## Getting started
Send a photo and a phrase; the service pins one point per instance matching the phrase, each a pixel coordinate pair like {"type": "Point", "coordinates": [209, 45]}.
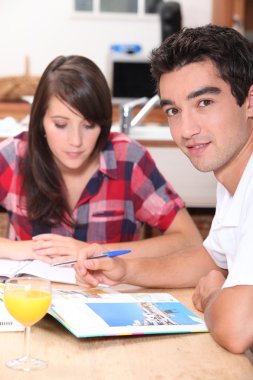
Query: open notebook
{"type": "Point", "coordinates": [12, 268]}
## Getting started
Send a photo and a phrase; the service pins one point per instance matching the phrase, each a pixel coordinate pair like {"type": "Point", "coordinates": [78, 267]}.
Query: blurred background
{"type": "Point", "coordinates": [41, 30]}
{"type": "Point", "coordinates": [119, 36]}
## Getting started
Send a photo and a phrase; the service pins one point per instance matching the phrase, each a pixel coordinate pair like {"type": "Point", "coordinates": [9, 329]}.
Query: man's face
{"type": "Point", "coordinates": [204, 118]}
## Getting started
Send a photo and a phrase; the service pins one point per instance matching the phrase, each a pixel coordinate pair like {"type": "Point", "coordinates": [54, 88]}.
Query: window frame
{"type": "Point", "coordinates": [97, 14]}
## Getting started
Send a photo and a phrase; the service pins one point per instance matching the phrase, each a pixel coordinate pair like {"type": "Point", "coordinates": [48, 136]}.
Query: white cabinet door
{"type": "Point", "coordinates": [196, 188]}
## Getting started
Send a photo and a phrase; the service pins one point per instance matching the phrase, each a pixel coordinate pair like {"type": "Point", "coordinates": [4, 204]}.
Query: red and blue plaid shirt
{"type": "Point", "coordinates": [126, 191]}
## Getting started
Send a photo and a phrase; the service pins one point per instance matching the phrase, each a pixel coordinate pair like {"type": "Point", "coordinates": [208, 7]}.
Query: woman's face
{"type": "Point", "coordinates": [71, 138]}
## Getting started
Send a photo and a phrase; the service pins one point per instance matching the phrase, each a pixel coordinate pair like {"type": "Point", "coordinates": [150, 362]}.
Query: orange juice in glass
{"type": "Point", "coordinates": [27, 299]}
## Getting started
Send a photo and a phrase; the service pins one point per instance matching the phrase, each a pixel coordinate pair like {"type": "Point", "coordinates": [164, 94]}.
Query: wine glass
{"type": "Point", "coordinates": [27, 299]}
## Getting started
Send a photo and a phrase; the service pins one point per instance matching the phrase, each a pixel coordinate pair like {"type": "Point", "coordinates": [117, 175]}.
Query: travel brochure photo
{"type": "Point", "coordinates": [90, 314]}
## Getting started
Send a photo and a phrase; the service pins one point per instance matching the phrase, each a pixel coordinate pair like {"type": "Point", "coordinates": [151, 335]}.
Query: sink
{"type": "Point", "coordinates": [147, 132]}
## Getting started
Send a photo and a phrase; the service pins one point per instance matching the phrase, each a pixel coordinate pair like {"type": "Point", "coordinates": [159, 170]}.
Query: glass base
{"type": "Point", "coordinates": [26, 363]}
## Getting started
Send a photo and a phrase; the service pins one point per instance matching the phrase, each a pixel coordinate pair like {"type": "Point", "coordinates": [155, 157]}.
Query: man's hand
{"type": "Point", "coordinates": [91, 272]}
{"type": "Point", "coordinates": [207, 288]}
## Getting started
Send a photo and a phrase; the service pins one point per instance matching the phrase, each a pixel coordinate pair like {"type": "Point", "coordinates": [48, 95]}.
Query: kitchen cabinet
{"type": "Point", "coordinates": [228, 12]}
{"type": "Point", "coordinates": [198, 189]}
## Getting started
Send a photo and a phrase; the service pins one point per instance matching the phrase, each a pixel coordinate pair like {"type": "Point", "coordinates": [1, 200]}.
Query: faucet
{"type": "Point", "coordinates": [126, 120]}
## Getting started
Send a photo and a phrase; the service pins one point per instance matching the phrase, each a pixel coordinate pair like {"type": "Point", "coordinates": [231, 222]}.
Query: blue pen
{"type": "Point", "coordinates": [106, 254]}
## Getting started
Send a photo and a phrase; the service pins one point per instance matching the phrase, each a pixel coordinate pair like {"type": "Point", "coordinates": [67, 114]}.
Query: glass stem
{"type": "Point", "coordinates": [27, 334]}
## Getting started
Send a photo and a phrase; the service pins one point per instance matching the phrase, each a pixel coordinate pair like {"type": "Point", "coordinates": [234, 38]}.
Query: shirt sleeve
{"type": "Point", "coordinates": [230, 240]}
{"type": "Point", "coordinates": [6, 160]}
{"type": "Point", "coordinates": [241, 267]}
{"type": "Point", "coordinates": [215, 249]}
{"type": "Point", "coordinates": [156, 202]}
{"type": "Point", "coordinates": [11, 152]}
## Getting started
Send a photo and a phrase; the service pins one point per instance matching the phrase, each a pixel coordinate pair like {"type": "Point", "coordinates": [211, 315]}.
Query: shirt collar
{"type": "Point", "coordinates": [229, 206]}
{"type": "Point", "coordinates": [108, 162]}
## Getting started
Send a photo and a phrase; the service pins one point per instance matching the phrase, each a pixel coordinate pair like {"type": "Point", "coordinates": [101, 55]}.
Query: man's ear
{"type": "Point", "coordinates": [250, 102]}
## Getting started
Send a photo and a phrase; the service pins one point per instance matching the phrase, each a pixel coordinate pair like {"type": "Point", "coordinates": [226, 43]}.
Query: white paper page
{"type": "Point", "coordinates": [55, 274]}
{"type": "Point", "coordinates": [7, 322]}
{"type": "Point", "coordinates": [9, 268]}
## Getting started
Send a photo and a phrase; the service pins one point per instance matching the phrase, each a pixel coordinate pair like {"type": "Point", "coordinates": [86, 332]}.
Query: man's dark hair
{"type": "Point", "coordinates": [231, 53]}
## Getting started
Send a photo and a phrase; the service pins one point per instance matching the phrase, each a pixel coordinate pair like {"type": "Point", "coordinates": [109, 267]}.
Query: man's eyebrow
{"type": "Point", "coordinates": [203, 91]}
{"type": "Point", "coordinates": [194, 94]}
{"type": "Point", "coordinates": [165, 102]}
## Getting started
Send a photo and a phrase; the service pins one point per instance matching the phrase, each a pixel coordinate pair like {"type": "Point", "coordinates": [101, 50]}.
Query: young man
{"type": "Point", "coordinates": [205, 82]}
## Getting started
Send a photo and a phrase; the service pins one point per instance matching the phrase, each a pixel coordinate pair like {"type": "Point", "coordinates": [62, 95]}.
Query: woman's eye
{"type": "Point", "coordinates": [205, 102]}
{"type": "Point", "coordinates": [89, 126]}
{"type": "Point", "coordinates": [60, 125]}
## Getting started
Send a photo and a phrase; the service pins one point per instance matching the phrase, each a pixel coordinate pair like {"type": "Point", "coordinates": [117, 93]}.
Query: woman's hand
{"type": "Point", "coordinates": [92, 272]}
{"type": "Point", "coordinates": [16, 249]}
{"type": "Point", "coordinates": [53, 248]}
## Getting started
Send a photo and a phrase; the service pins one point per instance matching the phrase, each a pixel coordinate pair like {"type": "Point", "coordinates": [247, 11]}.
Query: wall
{"type": "Point", "coordinates": [44, 29]}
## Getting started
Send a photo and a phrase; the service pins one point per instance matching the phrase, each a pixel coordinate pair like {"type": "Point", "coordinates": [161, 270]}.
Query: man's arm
{"type": "Point", "coordinates": [228, 312]}
{"type": "Point", "coordinates": [182, 233]}
{"type": "Point", "coordinates": [177, 270]}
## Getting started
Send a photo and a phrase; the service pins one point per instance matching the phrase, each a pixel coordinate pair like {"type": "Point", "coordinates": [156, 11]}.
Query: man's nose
{"type": "Point", "coordinates": [189, 125]}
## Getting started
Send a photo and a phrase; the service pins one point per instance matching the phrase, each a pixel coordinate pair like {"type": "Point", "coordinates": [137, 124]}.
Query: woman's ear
{"type": "Point", "coordinates": [250, 102]}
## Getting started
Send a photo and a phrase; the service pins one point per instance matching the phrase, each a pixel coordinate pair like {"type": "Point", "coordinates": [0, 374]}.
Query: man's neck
{"type": "Point", "coordinates": [229, 175]}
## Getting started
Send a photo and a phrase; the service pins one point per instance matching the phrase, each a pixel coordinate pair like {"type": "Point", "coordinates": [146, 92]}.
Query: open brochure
{"type": "Point", "coordinates": [12, 268]}
{"type": "Point", "coordinates": [93, 313]}
{"type": "Point", "coordinates": [8, 323]}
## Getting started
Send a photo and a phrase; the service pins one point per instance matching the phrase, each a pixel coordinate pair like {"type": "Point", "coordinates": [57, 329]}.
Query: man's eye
{"type": "Point", "coordinates": [205, 102]}
{"type": "Point", "coordinates": [171, 111]}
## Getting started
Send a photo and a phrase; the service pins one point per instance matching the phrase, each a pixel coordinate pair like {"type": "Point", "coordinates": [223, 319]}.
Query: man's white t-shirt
{"type": "Point", "coordinates": [230, 241]}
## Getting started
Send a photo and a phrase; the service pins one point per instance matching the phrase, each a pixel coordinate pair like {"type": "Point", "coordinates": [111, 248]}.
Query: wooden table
{"type": "Point", "coordinates": [163, 357]}
{"type": "Point", "coordinates": [18, 110]}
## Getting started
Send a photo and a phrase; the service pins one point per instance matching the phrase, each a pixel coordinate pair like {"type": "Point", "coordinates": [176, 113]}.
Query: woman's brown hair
{"type": "Point", "coordinates": [79, 82]}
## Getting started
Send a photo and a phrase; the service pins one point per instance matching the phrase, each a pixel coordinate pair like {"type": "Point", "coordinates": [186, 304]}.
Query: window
{"type": "Point", "coordinates": [115, 7]}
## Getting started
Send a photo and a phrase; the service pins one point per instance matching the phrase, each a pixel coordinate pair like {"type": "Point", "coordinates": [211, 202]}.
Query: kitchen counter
{"type": "Point", "coordinates": [196, 188]}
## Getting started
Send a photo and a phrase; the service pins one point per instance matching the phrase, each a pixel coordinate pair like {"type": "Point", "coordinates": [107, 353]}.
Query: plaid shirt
{"type": "Point", "coordinates": [125, 192]}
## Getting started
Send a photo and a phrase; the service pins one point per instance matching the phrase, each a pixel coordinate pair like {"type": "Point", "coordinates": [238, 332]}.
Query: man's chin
{"type": "Point", "coordinates": [202, 167]}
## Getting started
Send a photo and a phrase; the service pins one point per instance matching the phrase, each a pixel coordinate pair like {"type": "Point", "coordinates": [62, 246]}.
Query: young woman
{"type": "Point", "coordinates": [69, 182]}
